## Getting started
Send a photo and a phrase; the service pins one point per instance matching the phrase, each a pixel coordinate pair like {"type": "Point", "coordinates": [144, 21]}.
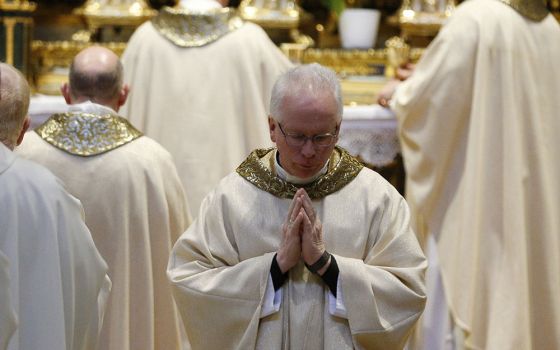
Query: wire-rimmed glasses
{"type": "Point", "coordinates": [298, 140]}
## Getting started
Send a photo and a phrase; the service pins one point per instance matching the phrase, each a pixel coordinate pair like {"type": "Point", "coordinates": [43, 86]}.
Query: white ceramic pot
{"type": "Point", "coordinates": [358, 27]}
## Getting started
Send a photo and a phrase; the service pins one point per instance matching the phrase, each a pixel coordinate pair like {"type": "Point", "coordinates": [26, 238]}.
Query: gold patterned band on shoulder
{"type": "Point", "coordinates": [193, 29]}
{"type": "Point", "coordinates": [343, 169]}
{"type": "Point", "coordinates": [85, 134]}
{"type": "Point", "coordinates": [535, 10]}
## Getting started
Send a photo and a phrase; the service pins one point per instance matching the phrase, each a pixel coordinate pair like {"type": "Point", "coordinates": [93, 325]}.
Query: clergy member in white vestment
{"type": "Point", "coordinates": [479, 121]}
{"type": "Point", "coordinates": [133, 199]}
{"type": "Point", "coordinates": [8, 322]}
{"type": "Point", "coordinates": [201, 81]}
{"type": "Point", "coordinates": [58, 280]}
{"type": "Point", "coordinates": [302, 247]}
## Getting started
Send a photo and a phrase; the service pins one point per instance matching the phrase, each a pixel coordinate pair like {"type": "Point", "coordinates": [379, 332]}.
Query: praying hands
{"type": "Point", "coordinates": [302, 236]}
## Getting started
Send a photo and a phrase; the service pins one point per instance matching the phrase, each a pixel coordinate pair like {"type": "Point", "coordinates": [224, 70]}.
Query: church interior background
{"type": "Point", "coordinates": [40, 39]}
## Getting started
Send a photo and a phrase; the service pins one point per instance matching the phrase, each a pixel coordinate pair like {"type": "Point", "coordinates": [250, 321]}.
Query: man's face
{"type": "Point", "coordinates": [305, 117]}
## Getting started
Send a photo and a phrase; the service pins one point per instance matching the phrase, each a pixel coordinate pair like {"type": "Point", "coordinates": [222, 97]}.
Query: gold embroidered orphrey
{"type": "Point", "coordinates": [343, 168]}
{"type": "Point", "coordinates": [193, 29]}
{"type": "Point", "coordinates": [85, 134]}
{"type": "Point", "coordinates": [535, 10]}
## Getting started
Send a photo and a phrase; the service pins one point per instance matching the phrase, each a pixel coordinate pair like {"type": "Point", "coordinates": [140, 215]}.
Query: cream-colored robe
{"type": "Point", "coordinates": [479, 122]}
{"type": "Point", "coordinates": [135, 208]}
{"type": "Point", "coordinates": [219, 269]}
{"type": "Point", "coordinates": [8, 322]}
{"type": "Point", "coordinates": [206, 105]}
{"type": "Point", "coordinates": [58, 279]}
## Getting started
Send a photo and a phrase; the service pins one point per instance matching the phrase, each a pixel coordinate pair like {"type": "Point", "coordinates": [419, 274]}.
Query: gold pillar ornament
{"type": "Point", "coordinates": [423, 17]}
{"type": "Point", "coordinates": [398, 54]}
{"type": "Point", "coordinates": [554, 7]}
{"type": "Point", "coordinates": [16, 33]}
{"type": "Point", "coordinates": [276, 16]}
{"type": "Point", "coordinates": [99, 14]}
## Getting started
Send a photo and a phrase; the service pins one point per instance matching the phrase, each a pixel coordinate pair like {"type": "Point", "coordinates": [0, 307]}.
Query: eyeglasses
{"type": "Point", "coordinates": [298, 140]}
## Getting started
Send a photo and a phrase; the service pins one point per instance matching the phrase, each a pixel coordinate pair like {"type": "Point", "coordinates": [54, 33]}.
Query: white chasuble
{"type": "Point", "coordinates": [136, 209]}
{"type": "Point", "coordinates": [205, 101]}
{"type": "Point", "coordinates": [479, 122]}
{"type": "Point", "coordinates": [220, 266]}
{"type": "Point", "coordinates": [58, 279]}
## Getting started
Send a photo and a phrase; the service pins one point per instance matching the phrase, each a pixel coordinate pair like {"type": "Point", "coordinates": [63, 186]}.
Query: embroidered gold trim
{"type": "Point", "coordinates": [85, 134]}
{"type": "Point", "coordinates": [193, 29]}
{"type": "Point", "coordinates": [343, 168]}
{"type": "Point", "coordinates": [534, 10]}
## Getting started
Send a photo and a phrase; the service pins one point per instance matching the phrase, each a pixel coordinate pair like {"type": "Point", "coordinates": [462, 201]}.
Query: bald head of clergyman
{"type": "Point", "coordinates": [96, 75]}
{"type": "Point", "coordinates": [14, 105]}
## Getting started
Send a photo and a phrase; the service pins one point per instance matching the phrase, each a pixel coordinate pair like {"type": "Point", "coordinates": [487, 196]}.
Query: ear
{"type": "Point", "coordinates": [65, 90]}
{"type": "Point", "coordinates": [272, 129]}
{"type": "Point", "coordinates": [123, 95]}
{"type": "Point", "coordinates": [24, 128]}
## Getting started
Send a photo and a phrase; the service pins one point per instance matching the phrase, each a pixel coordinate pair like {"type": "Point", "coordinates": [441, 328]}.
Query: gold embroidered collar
{"type": "Point", "coordinates": [534, 10]}
{"type": "Point", "coordinates": [259, 165]}
{"type": "Point", "coordinates": [186, 28]}
{"type": "Point", "coordinates": [85, 134]}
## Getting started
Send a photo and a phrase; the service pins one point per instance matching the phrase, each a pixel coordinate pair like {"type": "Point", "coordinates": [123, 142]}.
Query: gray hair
{"type": "Point", "coordinates": [97, 86]}
{"type": "Point", "coordinates": [313, 78]}
{"type": "Point", "coordinates": [14, 104]}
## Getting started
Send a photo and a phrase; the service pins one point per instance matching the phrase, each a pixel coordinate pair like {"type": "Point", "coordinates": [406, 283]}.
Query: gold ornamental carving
{"type": "Point", "coordinates": [17, 24]}
{"type": "Point", "coordinates": [423, 17]}
{"type": "Point", "coordinates": [110, 13]}
{"type": "Point", "coordinates": [273, 14]}
{"type": "Point", "coordinates": [16, 5]}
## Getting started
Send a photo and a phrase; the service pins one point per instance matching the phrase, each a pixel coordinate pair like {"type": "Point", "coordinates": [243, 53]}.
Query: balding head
{"type": "Point", "coordinates": [14, 104]}
{"type": "Point", "coordinates": [96, 75]}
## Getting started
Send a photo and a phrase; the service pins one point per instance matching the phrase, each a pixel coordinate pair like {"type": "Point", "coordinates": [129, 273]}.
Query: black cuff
{"type": "Point", "coordinates": [330, 277]}
{"type": "Point", "coordinates": [278, 278]}
{"type": "Point", "coordinates": [320, 263]}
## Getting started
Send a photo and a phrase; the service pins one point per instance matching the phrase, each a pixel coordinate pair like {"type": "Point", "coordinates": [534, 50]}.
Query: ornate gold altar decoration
{"type": "Point", "coordinates": [363, 72]}
{"type": "Point", "coordinates": [110, 13]}
{"type": "Point", "coordinates": [423, 17]}
{"type": "Point", "coordinates": [282, 14]}
{"type": "Point", "coordinates": [51, 59]}
{"type": "Point", "coordinates": [276, 15]}
{"type": "Point", "coordinates": [16, 33]}
{"type": "Point", "coordinates": [348, 62]}
{"type": "Point", "coordinates": [398, 54]}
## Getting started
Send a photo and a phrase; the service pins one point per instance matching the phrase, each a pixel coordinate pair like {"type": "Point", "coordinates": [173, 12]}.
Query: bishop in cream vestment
{"type": "Point", "coordinates": [220, 267]}
{"type": "Point", "coordinates": [58, 279]}
{"type": "Point", "coordinates": [479, 122]}
{"type": "Point", "coordinates": [135, 207]}
{"type": "Point", "coordinates": [201, 83]}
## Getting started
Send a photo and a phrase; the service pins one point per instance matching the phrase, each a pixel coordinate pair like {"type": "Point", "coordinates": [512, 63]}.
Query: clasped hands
{"type": "Point", "coordinates": [302, 235]}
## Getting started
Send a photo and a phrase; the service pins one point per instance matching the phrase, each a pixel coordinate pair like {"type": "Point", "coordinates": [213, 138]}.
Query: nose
{"type": "Point", "coordinates": [308, 149]}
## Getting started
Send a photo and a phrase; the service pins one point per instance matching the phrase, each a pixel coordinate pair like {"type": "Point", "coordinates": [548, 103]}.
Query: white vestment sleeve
{"type": "Point", "coordinates": [272, 299]}
{"type": "Point", "coordinates": [102, 299]}
{"type": "Point", "coordinates": [336, 304]}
